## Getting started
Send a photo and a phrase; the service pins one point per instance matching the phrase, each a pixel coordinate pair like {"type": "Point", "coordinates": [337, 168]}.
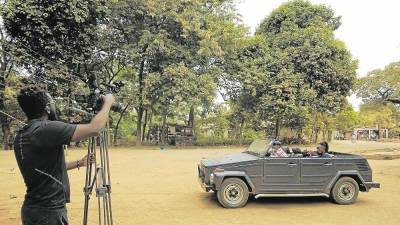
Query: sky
{"type": "Point", "coordinates": [370, 29]}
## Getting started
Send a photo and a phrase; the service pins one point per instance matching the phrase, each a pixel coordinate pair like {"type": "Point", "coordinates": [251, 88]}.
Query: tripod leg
{"type": "Point", "coordinates": [101, 180]}
{"type": "Point", "coordinates": [108, 176]}
{"type": "Point", "coordinates": [105, 176]}
{"type": "Point", "coordinates": [99, 205]}
{"type": "Point", "coordinates": [91, 146]}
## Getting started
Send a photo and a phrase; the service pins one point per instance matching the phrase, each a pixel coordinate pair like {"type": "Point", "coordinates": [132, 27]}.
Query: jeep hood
{"type": "Point", "coordinates": [229, 159]}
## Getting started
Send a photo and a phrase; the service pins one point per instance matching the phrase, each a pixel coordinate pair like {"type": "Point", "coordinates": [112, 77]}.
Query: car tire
{"type": "Point", "coordinates": [234, 193]}
{"type": "Point", "coordinates": [345, 191]}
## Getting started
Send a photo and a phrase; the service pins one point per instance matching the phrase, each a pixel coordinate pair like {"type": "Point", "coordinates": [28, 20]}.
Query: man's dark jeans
{"type": "Point", "coordinates": [43, 216]}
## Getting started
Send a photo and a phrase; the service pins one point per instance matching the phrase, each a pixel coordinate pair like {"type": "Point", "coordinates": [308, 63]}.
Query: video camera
{"type": "Point", "coordinates": [94, 101]}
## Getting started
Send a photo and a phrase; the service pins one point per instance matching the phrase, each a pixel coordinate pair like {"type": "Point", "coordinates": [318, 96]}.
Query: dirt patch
{"type": "Point", "coordinates": [382, 157]}
{"type": "Point", "coordinates": [161, 187]}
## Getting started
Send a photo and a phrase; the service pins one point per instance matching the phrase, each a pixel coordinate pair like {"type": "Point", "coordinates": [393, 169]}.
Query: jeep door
{"type": "Point", "coordinates": [280, 175]}
{"type": "Point", "coordinates": [316, 173]}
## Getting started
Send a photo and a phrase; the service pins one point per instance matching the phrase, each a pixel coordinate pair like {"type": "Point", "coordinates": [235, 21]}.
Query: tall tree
{"type": "Point", "coordinates": [54, 39]}
{"type": "Point", "coordinates": [310, 67]}
{"type": "Point", "coordinates": [380, 85]}
{"type": "Point", "coordinates": [6, 67]}
{"type": "Point", "coordinates": [160, 35]}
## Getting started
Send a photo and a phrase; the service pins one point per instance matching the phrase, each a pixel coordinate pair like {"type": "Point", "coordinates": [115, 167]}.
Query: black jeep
{"type": "Point", "coordinates": [253, 172]}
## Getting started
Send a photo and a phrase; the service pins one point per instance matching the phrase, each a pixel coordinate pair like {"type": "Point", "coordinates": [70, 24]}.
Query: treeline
{"type": "Point", "coordinates": [175, 58]}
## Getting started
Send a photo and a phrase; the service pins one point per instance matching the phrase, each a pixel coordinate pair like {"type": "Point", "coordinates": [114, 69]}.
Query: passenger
{"type": "Point", "coordinates": [276, 150]}
{"type": "Point", "coordinates": [322, 150]}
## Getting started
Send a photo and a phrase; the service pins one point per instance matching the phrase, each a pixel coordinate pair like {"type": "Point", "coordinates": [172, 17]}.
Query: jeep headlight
{"type": "Point", "coordinates": [212, 178]}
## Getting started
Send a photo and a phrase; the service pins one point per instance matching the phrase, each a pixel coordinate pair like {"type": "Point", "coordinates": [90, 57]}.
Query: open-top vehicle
{"type": "Point", "coordinates": [253, 172]}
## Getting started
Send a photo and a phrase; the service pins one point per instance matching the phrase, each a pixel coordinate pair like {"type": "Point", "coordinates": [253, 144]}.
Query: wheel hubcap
{"type": "Point", "coordinates": [233, 193]}
{"type": "Point", "coordinates": [346, 191]}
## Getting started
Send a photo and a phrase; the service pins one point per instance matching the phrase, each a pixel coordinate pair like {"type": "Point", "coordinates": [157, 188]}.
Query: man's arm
{"type": "Point", "coordinates": [80, 163]}
{"type": "Point", "coordinates": [74, 164]}
{"type": "Point", "coordinates": [83, 131]}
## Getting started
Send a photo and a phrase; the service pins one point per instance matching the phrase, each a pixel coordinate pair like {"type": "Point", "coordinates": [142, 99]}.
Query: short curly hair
{"type": "Point", "coordinates": [32, 100]}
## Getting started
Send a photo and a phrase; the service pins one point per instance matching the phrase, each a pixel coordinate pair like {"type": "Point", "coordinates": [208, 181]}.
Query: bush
{"type": "Point", "coordinates": [293, 141]}
{"type": "Point", "coordinates": [394, 133]}
{"type": "Point", "coordinates": [211, 141]}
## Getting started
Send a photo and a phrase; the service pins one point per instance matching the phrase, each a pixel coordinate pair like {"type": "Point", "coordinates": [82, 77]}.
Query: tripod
{"type": "Point", "coordinates": [98, 177]}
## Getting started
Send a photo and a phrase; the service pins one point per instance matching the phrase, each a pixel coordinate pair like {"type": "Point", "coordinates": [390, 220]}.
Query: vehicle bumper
{"type": "Point", "coordinates": [372, 185]}
{"type": "Point", "coordinates": [206, 187]}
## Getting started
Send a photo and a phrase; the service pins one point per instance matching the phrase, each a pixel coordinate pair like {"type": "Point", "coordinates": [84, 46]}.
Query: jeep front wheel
{"type": "Point", "coordinates": [345, 191]}
{"type": "Point", "coordinates": [233, 193]}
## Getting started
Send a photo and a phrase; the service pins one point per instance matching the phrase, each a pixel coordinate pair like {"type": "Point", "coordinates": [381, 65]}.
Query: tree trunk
{"type": "Point", "coordinates": [140, 108]}
{"type": "Point", "coordinates": [325, 132]}
{"type": "Point", "coordinates": [241, 131]}
{"type": "Point", "coordinates": [164, 129]}
{"type": "Point", "coordinates": [4, 120]}
{"type": "Point", "coordinates": [316, 133]}
{"type": "Point", "coordinates": [146, 118]}
{"type": "Point", "coordinates": [139, 126]}
{"type": "Point", "coordinates": [5, 128]}
{"type": "Point", "coordinates": [119, 120]}
{"type": "Point", "coordinates": [191, 122]}
{"type": "Point", "coordinates": [150, 124]}
{"type": "Point", "coordinates": [277, 128]}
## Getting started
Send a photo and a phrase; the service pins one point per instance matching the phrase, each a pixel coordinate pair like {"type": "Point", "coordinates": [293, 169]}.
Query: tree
{"type": "Point", "coordinates": [346, 120]}
{"type": "Point", "coordinates": [310, 67]}
{"type": "Point", "coordinates": [7, 62]}
{"type": "Point", "coordinates": [55, 39]}
{"type": "Point", "coordinates": [160, 35]}
{"type": "Point", "coordinates": [380, 85]}
{"type": "Point", "coordinates": [378, 115]}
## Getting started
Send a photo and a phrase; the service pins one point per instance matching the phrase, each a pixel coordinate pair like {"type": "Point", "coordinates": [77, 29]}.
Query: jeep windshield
{"type": "Point", "coordinates": [259, 147]}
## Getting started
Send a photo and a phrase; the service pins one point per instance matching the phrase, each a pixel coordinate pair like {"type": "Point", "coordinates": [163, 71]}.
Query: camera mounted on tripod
{"type": "Point", "coordinates": [94, 101]}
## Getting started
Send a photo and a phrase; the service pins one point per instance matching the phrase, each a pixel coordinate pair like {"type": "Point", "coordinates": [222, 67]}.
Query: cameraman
{"type": "Point", "coordinates": [40, 157]}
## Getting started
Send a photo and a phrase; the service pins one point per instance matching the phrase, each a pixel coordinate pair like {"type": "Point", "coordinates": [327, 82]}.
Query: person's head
{"type": "Point", "coordinates": [33, 100]}
{"type": "Point", "coordinates": [323, 147]}
{"type": "Point", "coordinates": [276, 145]}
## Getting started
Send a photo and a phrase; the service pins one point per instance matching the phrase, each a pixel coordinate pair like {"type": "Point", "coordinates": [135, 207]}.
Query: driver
{"type": "Point", "coordinates": [276, 150]}
{"type": "Point", "coordinates": [322, 151]}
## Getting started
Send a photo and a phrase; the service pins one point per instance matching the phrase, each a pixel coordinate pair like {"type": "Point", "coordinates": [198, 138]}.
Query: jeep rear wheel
{"type": "Point", "coordinates": [345, 191]}
{"type": "Point", "coordinates": [233, 193]}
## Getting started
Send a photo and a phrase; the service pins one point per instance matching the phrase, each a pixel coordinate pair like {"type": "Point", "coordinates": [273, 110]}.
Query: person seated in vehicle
{"type": "Point", "coordinates": [277, 150]}
{"type": "Point", "coordinates": [322, 151]}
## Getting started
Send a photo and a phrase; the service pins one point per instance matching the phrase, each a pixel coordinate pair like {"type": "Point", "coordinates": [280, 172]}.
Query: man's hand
{"type": "Point", "coordinates": [84, 160]}
{"type": "Point", "coordinates": [108, 99]}
{"type": "Point", "coordinates": [95, 126]}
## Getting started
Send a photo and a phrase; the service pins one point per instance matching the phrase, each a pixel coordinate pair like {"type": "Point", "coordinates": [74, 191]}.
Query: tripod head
{"type": "Point", "coordinates": [93, 102]}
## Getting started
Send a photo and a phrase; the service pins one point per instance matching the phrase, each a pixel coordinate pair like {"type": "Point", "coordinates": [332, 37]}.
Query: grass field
{"type": "Point", "coordinates": [161, 187]}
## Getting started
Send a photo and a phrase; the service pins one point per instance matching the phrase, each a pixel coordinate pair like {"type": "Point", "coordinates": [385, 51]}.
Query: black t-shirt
{"type": "Point", "coordinates": [40, 157]}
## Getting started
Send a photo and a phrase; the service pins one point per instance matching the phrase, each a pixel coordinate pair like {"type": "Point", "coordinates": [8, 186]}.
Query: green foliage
{"type": "Point", "coordinates": [380, 85]}
{"type": "Point", "coordinates": [377, 115]}
{"type": "Point", "coordinates": [311, 67]}
{"type": "Point", "coordinates": [346, 120]}
{"type": "Point", "coordinates": [294, 66]}
{"type": "Point", "coordinates": [174, 56]}
{"type": "Point", "coordinates": [211, 141]}
{"type": "Point", "coordinates": [58, 31]}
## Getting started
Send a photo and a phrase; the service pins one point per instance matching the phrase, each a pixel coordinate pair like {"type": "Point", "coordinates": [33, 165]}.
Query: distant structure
{"type": "Point", "coordinates": [371, 133]}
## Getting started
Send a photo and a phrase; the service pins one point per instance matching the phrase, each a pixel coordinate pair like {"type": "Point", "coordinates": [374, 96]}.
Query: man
{"type": "Point", "coordinates": [40, 157]}
{"type": "Point", "coordinates": [276, 150]}
{"type": "Point", "coordinates": [322, 151]}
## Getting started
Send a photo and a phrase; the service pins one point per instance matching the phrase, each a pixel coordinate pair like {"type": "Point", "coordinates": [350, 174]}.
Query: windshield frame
{"type": "Point", "coordinates": [251, 149]}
